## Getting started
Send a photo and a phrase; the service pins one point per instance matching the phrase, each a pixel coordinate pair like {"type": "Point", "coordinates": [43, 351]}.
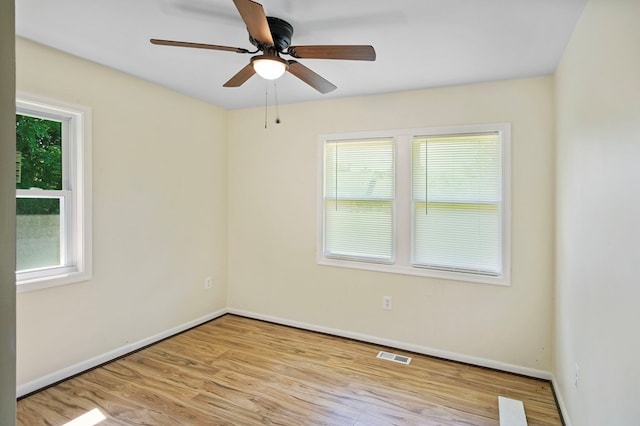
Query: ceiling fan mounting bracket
{"type": "Point", "coordinates": [281, 32]}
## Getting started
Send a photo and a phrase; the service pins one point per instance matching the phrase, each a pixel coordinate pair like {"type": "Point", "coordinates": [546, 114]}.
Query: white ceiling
{"type": "Point", "coordinates": [419, 43]}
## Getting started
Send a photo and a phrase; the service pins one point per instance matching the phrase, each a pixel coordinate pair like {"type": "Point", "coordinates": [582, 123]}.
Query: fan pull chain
{"type": "Point", "coordinates": [266, 102]}
{"type": "Point", "coordinates": [275, 92]}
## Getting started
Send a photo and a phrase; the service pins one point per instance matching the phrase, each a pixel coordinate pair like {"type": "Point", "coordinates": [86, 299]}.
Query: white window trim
{"type": "Point", "coordinates": [79, 207]}
{"type": "Point", "coordinates": [403, 211]}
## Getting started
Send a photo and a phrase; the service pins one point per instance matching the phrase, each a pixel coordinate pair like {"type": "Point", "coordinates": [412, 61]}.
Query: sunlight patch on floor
{"type": "Point", "coordinates": [90, 418]}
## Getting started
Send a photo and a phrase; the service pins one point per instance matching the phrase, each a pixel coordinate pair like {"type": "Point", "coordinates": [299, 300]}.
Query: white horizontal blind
{"type": "Point", "coordinates": [457, 202]}
{"type": "Point", "coordinates": [359, 192]}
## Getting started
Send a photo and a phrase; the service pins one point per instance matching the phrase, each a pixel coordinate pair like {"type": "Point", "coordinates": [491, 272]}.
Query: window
{"type": "Point", "coordinates": [53, 240]}
{"type": "Point", "coordinates": [428, 202]}
{"type": "Point", "coordinates": [358, 197]}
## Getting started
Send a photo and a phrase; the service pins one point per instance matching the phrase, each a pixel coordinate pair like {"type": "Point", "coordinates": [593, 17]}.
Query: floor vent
{"type": "Point", "coordinates": [394, 357]}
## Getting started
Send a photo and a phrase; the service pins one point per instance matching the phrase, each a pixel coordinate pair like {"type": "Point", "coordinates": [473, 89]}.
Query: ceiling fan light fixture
{"type": "Point", "coordinates": [269, 67]}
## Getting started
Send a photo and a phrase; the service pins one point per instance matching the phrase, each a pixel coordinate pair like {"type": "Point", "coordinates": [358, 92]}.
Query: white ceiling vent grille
{"type": "Point", "coordinates": [401, 359]}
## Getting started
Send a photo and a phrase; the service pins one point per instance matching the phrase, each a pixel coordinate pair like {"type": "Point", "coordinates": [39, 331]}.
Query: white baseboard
{"type": "Point", "coordinates": [467, 359]}
{"type": "Point", "coordinates": [72, 370]}
{"type": "Point", "coordinates": [560, 400]}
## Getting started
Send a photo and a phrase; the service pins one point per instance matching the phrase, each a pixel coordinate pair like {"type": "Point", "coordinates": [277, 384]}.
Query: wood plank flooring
{"type": "Point", "coordinates": [238, 371]}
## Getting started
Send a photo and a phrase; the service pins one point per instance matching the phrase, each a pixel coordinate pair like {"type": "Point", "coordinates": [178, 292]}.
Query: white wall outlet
{"type": "Point", "coordinates": [387, 303]}
{"type": "Point", "coordinates": [577, 373]}
{"type": "Point", "coordinates": [208, 283]}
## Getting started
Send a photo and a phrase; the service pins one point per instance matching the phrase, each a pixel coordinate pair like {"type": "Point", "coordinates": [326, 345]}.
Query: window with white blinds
{"type": "Point", "coordinates": [457, 202]}
{"type": "Point", "coordinates": [429, 202]}
{"type": "Point", "coordinates": [359, 191]}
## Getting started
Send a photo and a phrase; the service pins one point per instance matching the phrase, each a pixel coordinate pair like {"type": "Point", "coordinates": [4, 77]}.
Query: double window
{"type": "Point", "coordinates": [430, 202]}
{"type": "Point", "coordinates": [53, 244]}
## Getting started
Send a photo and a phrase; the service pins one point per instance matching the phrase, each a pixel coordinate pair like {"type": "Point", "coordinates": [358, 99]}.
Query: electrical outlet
{"type": "Point", "coordinates": [577, 373]}
{"type": "Point", "coordinates": [387, 303]}
{"type": "Point", "coordinates": [208, 283]}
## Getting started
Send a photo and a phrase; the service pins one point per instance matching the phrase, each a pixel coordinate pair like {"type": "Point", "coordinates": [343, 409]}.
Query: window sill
{"type": "Point", "coordinates": [33, 284]}
{"type": "Point", "coordinates": [420, 272]}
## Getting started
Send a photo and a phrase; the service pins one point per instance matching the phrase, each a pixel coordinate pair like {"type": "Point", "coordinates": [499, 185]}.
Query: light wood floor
{"type": "Point", "coordinates": [237, 371]}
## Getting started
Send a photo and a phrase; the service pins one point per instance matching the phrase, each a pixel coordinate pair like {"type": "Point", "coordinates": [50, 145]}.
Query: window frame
{"type": "Point", "coordinates": [391, 201]}
{"type": "Point", "coordinates": [75, 192]}
{"type": "Point", "coordinates": [403, 219]}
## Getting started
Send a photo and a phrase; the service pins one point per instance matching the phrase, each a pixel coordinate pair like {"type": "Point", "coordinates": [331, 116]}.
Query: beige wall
{"type": "Point", "coordinates": [160, 162]}
{"type": "Point", "coordinates": [598, 168]}
{"type": "Point", "coordinates": [272, 226]}
{"type": "Point", "coordinates": [159, 215]}
{"type": "Point", "coordinates": [7, 216]}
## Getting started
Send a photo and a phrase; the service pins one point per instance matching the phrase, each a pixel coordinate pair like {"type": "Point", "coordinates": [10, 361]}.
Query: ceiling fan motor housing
{"type": "Point", "coordinates": [281, 32]}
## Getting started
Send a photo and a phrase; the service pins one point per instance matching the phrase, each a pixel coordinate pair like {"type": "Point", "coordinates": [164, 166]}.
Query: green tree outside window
{"type": "Point", "coordinates": [39, 147]}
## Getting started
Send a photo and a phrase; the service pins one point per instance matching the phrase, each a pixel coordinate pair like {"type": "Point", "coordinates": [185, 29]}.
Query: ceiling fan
{"type": "Point", "coordinates": [272, 37]}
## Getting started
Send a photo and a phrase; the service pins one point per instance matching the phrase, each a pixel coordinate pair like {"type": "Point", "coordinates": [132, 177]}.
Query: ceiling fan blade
{"type": "Point", "coordinates": [254, 17]}
{"type": "Point", "coordinates": [241, 76]}
{"type": "Point", "coordinates": [311, 78]}
{"type": "Point", "coordinates": [197, 45]}
{"type": "Point", "coordinates": [350, 52]}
